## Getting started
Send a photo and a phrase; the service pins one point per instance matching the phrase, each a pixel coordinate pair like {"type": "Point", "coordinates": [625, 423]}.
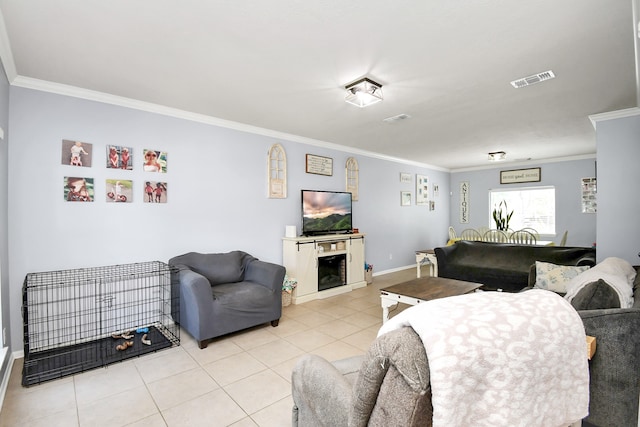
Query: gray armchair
{"type": "Point", "coordinates": [226, 292]}
{"type": "Point", "coordinates": [389, 386]}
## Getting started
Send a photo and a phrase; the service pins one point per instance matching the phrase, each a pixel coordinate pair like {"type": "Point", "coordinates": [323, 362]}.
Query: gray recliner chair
{"type": "Point", "coordinates": [226, 292]}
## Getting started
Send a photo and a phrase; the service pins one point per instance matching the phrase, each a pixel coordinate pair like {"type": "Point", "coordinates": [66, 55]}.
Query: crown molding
{"type": "Point", "coordinates": [6, 56]}
{"type": "Point", "coordinates": [91, 95]}
{"type": "Point", "coordinates": [536, 162]}
{"type": "Point", "coordinates": [611, 115]}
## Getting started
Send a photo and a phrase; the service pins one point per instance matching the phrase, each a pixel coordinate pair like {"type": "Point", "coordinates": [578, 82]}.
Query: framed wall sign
{"type": "Point", "coordinates": [319, 165]}
{"type": "Point", "coordinates": [464, 202]}
{"type": "Point", "coordinates": [520, 175]}
{"type": "Point", "coordinates": [422, 190]}
{"type": "Point", "coordinates": [589, 202]}
{"type": "Point", "coordinates": [405, 177]}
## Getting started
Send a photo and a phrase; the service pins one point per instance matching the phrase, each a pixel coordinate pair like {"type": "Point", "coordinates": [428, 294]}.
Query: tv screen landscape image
{"type": "Point", "coordinates": [326, 212]}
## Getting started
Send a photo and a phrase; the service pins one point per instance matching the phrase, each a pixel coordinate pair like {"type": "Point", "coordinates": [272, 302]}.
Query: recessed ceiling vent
{"type": "Point", "coordinates": [397, 118]}
{"type": "Point", "coordinates": [531, 80]}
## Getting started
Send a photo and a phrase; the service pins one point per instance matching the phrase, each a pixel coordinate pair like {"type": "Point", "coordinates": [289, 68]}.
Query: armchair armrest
{"type": "Point", "coordinates": [321, 394]}
{"type": "Point", "coordinates": [195, 300]}
{"type": "Point", "coordinates": [265, 273]}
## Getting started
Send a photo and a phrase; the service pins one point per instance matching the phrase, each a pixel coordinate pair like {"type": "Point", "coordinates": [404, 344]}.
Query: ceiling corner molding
{"type": "Point", "coordinates": [527, 163]}
{"type": "Point", "coordinates": [6, 55]}
{"type": "Point", "coordinates": [611, 115]}
{"type": "Point", "coordinates": [91, 95]}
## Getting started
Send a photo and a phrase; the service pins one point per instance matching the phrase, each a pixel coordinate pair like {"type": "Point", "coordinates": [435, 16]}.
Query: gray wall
{"type": "Point", "coordinates": [564, 176]}
{"type": "Point", "coordinates": [216, 191]}
{"type": "Point", "coordinates": [4, 228]}
{"type": "Point", "coordinates": [618, 143]}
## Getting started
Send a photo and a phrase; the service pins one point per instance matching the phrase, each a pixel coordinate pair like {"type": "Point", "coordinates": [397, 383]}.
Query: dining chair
{"type": "Point", "coordinates": [470, 234]}
{"type": "Point", "coordinates": [563, 241]}
{"type": "Point", "coordinates": [482, 230]}
{"type": "Point", "coordinates": [523, 237]}
{"type": "Point", "coordinates": [532, 231]}
{"type": "Point", "coordinates": [452, 233]}
{"type": "Point", "coordinates": [495, 236]}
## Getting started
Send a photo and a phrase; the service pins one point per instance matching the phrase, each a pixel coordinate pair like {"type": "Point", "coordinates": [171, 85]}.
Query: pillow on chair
{"type": "Point", "coordinates": [218, 268]}
{"type": "Point", "coordinates": [596, 295]}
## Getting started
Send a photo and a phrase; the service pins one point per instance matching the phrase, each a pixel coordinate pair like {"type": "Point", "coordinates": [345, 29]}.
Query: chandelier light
{"type": "Point", "coordinates": [363, 92]}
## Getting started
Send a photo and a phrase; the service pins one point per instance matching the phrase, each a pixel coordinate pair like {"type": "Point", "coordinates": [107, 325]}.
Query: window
{"type": "Point", "coordinates": [533, 207]}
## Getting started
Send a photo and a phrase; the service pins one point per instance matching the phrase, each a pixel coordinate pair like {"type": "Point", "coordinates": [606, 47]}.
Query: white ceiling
{"type": "Point", "coordinates": [282, 65]}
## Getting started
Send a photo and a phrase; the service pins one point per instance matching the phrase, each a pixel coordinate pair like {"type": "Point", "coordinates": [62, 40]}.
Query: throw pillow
{"type": "Point", "coordinates": [596, 295]}
{"type": "Point", "coordinates": [616, 272]}
{"type": "Point", "coordinates": [554, 277]}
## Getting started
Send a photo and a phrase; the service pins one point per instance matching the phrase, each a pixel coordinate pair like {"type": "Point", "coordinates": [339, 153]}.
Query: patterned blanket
{"type": "Point", "coordinates": [502, 359]}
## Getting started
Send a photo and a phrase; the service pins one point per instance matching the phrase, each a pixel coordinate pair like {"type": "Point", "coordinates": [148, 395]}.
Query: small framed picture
{"type": "Point", "coordinates": [76, 153]}
{"type": "Point", "coordinates": [319, 165]}
{"type": "Point", "coordinates": [78, 189]}
{"type": "Point", "coordinates": [155, 192]}
{"type": "Point", "coordinates": [154, 161]}
{"type": "Point", "coordinates": [119, 157]}
{"type": "Point", "coordinates": [405, 198]}
{"type": "Point", "coordinates": [119, 190]}
{"type": "Point", "coordinates": [422, 190]}
{"type": "Point", "coordinates": [405, 177]}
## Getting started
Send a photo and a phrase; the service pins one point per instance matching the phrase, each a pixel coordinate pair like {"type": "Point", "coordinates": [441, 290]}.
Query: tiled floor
{"type": "Point", "coordinates": [240, 380]}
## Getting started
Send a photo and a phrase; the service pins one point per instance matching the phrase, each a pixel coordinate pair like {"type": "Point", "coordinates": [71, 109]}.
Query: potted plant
{"type": "Point", "coordinates": [502, 221]}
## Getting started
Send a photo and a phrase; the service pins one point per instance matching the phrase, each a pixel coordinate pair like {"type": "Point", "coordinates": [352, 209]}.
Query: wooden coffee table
{"type": "Point", "coordinates": [424, 289]}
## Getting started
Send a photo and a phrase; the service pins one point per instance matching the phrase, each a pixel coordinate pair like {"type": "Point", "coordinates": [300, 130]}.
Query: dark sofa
{"type": "Point", "coordinates": [502, 265]}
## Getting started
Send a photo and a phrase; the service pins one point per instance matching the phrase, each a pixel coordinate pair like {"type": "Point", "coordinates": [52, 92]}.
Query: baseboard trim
{"type": "Point", "coordinates": [394, 270]}
{"type": "Point", "coordinates": [7, 374]}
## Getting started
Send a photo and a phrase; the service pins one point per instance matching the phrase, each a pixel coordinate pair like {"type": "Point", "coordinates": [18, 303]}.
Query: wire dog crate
{"type": "Point", "coordinates": [76, 320]}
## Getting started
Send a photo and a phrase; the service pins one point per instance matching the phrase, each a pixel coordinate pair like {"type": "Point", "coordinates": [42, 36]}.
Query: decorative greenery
{"type": "Point", "coordinates": [289, 284]}
{"type": "Point", "coordinates": [502, 222]}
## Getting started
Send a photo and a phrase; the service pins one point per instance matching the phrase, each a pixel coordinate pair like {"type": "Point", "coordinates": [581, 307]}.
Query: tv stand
{"type": "Point", "coordinates": [302, 257]}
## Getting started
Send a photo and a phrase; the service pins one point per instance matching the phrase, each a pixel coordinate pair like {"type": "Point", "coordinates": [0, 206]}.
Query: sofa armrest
{"type": "Point", "coordinates": [265, 273]}
{"type": "Point", "coordinates": [321, 394]}
{"type": "Point", "coordinates": [615, 366]}
{"type": "Point", "coordinates": [442, 256]}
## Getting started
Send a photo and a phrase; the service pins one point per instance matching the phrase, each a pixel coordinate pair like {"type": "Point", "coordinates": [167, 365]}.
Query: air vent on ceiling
{"type": "Point", "coordinates": [531, 80]}
{"type": "Point", "coordinates": [397, 118]}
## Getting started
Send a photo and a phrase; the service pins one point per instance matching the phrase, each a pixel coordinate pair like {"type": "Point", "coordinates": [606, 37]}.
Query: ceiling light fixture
{"type": "Point", "coordinates": [497, 156]}
{"type": "Point", "coordinates": [363, 92]}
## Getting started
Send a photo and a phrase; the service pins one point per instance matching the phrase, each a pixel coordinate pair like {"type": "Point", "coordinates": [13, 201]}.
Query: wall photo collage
{"type": "Point", "coordinates": [82, 189]}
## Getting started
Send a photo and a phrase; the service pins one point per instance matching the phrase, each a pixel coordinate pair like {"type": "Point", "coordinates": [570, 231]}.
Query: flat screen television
{"type": "Point", "coordinates": [326, 212]}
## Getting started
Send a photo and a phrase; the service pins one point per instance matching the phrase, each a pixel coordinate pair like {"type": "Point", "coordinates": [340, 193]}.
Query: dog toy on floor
{"type": "Point", "coordinates": [125, 345]}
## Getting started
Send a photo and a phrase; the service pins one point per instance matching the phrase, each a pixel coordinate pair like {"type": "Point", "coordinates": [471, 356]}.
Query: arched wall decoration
{"type": "Point", "coordinates": [351, 174]}
{"type": "Point", "coordinates": [277, 172]}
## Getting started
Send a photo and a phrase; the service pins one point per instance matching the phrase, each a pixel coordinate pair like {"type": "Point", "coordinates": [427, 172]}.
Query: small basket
{"type": "Point", "coordinates": [286, 299]}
